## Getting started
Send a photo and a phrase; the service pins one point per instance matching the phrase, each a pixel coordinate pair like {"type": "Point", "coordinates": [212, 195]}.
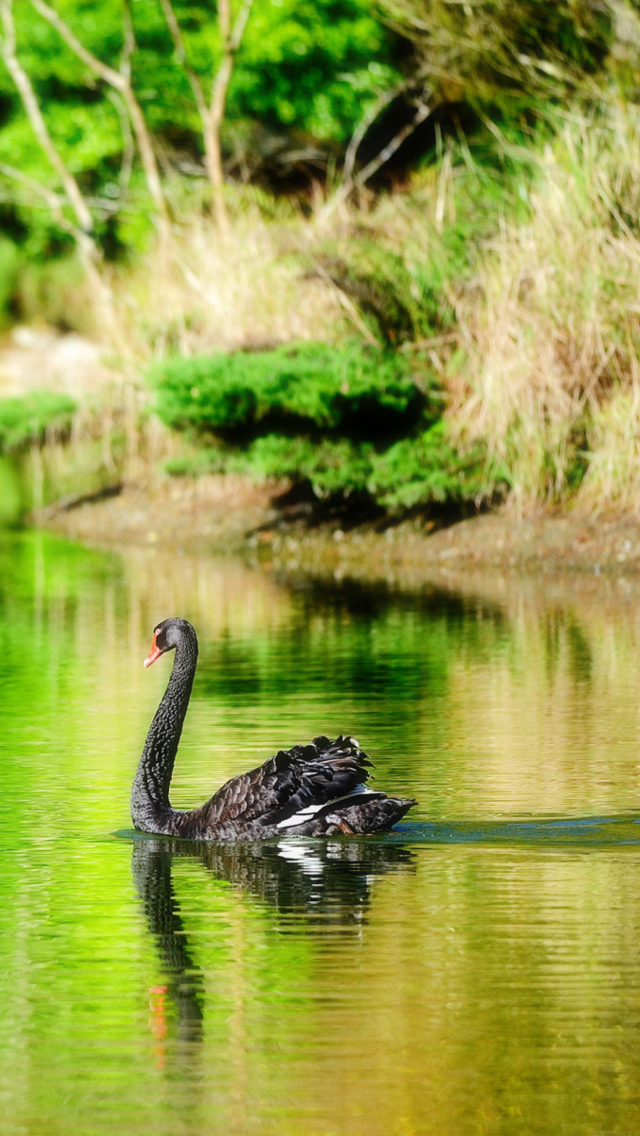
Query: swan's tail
{"type": "Point", "coordinates": [360, 813]}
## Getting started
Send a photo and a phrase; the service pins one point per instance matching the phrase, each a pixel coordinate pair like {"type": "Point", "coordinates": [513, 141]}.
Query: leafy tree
{"type": "Point", "coordinates": [306, 70]}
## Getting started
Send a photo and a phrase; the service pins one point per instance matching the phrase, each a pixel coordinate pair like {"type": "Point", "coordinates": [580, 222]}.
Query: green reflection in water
{"type": "Point", "coordinates": [475, 972]}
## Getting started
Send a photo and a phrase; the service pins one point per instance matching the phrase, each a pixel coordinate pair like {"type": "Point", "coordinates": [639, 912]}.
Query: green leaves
{"type": "Point", "coordinates": [304, 65]}
{"type": "Point", "coordinates": [429, 468]}
{"type": "Point", "coordinates": [302, 386]}
{"type": "Point", "coordinates": [29, 419]}
{"type": "Point", "coordinates": [344, 419]}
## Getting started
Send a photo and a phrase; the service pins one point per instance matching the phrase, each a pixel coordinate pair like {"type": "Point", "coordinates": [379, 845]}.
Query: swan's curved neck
{"type": "Point", "coordinates": [151, 810]}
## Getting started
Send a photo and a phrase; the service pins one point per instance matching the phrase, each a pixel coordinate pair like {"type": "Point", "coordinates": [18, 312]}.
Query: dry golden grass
{"type": "Point", "coordinates": [551, 327]}
{"type": "Point", "coordinates": [254, 287]}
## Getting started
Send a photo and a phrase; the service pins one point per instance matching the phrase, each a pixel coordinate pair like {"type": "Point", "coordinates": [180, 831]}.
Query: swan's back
{"type": "Point", "coordinates": [307, 790]}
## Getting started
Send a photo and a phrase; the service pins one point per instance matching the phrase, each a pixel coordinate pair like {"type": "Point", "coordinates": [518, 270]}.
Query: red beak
{"type": "Point", "coordinates": [154, 653]}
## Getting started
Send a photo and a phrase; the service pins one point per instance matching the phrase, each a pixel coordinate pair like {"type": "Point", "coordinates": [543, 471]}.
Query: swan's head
{"type": "Point", "coordinates": [168, 635]}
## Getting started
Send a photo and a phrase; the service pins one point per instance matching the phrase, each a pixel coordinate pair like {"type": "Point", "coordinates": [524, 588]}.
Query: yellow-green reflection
{"type": "Point", "coordinates": [477, 973]}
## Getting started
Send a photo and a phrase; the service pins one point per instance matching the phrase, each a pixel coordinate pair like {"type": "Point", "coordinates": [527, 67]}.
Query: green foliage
{"type": "Point", "coordinates": [413, 472]}
{"type": "Point", "coordinates": [355, 422]}
{"type": "Point", "coordinates": [428, 468]}
{"type": "Point", "coordinates": [9, 265]}
{"type": "Point", "coordinates": [306, 68]}
{"type": "Point", "coordinates": [511, 55]}
{"type": "Point", "coordinates": [334, 466]}
{"type": "Point", "coordinates": [312, 64]}
{"type": "Point", "coordinates": [302, 386]}
{"type": "Point", "coordinates": [32, 418]}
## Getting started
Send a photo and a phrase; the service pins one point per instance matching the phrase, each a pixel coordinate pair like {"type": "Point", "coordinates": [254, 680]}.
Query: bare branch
{"type": "Point", "coordinates": [367, 121]}
{"type": "Point", "coordinates": [83, 232]}
{"type": "Point", "coordinates": [372, 167]}
{"type": "Point", "coordinates": [231, 39]}
{"type": "Point", "coordinates": [212, 115]}
{"type": "Point", "coordinates": [362, 177]}
{"type": "Point", "coordinates": [107, 74]}
{"type": "Point", "coordinates": [224, 20]}
{"type": "Point", "coordinates": [120, 81]}
{"type": "Point", "coordinates": [235, 39]}
{"type": "Point", "coordinates": [38, 124]}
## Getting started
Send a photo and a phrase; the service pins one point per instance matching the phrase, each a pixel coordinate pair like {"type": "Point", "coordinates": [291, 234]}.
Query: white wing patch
{"type": "Point", "coordinates": [309, 811]}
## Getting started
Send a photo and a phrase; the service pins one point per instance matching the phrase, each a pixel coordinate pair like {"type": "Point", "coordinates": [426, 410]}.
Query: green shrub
{"type": "Point", "coordinates": [346, 420]}
{"type": "Point", "coordinates": [29, 419]}
{"type": "Point", "coordinates": [412, 473]}
{"type": "Point", "coordinates": [429, 468]}
{"type": "Point", "coordinates": [334, 466]}
{"type": "Point", "coordinates": [296, 388]}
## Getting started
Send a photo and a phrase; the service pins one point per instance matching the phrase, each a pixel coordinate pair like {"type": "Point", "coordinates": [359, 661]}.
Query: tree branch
{"type": "Point", "coordinates": [107, 74]}
{"type": "Point", "coordinates": [120, 81]}
{"type": "Point", "coordinates": [372, 167]}
{"type": "Point", "coordinates": [235, 39]}
{"type": "Point", "coordinates": [360, 179]}
{"type": "Point", "coordinates": [40, 128]}
{"type": "Point", "coordinates": [49, 196]}
{"type": "Point", "coordinates": [231, 39]}
{"type": "Point", "coordinates": [366, 121]}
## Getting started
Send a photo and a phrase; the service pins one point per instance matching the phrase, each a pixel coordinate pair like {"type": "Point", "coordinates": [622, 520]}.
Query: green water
{"type": "Point", "coordinates": [476, 972]}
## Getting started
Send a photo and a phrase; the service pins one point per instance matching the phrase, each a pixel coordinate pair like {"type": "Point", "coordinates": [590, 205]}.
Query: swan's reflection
{"type": "Point", "coordinates": [151, 866]}
{"type": "Point", "coordinates": [317, 883]}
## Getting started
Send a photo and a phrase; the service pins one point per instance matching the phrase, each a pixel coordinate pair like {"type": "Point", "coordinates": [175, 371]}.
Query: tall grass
{"type": "Point", "coordinates": [254, 287]}
{"type": "Point", "coordinates": [551, 326]}
{"type": "Point", "coordinates": [517, 276]}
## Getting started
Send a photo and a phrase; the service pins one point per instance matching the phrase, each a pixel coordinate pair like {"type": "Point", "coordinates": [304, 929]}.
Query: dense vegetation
{"type": "Point", "coordinates": [305, 70]}
{"type": "Point", "coordinates": [345, 420]}
{"type": "Point", "coordinates": [411, 276]}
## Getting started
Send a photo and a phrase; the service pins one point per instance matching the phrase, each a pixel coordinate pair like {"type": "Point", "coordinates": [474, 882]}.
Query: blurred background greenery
{"type": "Point", "coordinates": [447, 194]}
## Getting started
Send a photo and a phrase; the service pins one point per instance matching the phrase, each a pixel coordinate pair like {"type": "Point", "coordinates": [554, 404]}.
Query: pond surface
{"type": "Point", "coordinates": [477, 971]}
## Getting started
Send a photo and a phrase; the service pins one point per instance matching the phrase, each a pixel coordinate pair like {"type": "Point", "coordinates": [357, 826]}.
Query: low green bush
{"type": "Point", "coordinates": [334, 466]}
{"type": "Point", "coordinates": [347, 420]}
{"type": "Point", "coordinates": [31, 418]}
{"type": "Point", "coordinates": [429, 468]}
{"type": "Point", "coordinates": [411, 473]}
{"type": "Point", "coordinates": [296, 388]}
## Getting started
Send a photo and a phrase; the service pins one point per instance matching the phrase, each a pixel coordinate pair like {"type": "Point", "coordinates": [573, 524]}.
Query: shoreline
{"type": "Point", "coordinates": [227, 515]}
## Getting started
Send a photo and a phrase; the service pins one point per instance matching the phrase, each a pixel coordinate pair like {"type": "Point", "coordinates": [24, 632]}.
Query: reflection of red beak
{"type": "Point", "coordinates": [154, 653]}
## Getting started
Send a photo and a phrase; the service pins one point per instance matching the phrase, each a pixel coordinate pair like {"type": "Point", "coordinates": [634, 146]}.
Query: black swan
{"type": "Point", "coordinates": [313, 790]}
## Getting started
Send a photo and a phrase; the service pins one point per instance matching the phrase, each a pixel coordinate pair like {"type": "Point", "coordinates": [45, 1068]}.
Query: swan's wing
{"type": "Point", "coordinates": [290, 781]}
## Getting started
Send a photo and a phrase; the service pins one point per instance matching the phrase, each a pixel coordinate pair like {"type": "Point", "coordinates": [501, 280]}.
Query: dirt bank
{"type": "Point", "coordinates": [226, 515]}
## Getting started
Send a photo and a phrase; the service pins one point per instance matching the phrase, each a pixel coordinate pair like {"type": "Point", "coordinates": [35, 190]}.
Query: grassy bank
{"type": "Point", "coordinates": [472, 336]}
